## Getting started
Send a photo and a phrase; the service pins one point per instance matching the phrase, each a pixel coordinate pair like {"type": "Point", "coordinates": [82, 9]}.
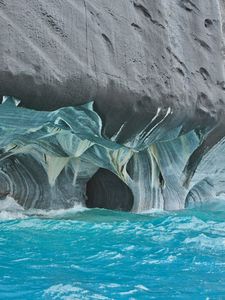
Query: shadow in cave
{"type": "Point", "coordinates": [106, 190]}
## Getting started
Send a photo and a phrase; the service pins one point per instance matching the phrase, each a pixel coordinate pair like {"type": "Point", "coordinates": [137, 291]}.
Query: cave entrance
{"type": "Point", "coordinates": [106, 190]}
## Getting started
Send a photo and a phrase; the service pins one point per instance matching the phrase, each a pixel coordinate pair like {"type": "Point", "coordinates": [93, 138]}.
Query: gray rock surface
{"type": "Point", "coordinates": [155, 71]}
{"type": "Point", "coordinates": [129, 56]}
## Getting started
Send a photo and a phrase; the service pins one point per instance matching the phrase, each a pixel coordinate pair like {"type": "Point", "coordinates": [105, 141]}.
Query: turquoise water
{"type": "Point", "coordinates": [99, 254]}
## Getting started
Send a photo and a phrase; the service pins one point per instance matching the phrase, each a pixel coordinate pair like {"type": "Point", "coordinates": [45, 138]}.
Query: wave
{"type": "Point", "coordinates": [11, 210]}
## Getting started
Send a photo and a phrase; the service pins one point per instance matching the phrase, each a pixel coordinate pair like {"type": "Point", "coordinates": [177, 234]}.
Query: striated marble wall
{"type": "Point", "coordinates": [155, 73]}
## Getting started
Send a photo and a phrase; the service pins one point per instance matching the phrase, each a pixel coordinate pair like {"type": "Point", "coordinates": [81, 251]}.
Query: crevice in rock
{"type": "Point", "coordinates": [147, 14]}
{"type": "Point", "coordinates": [108, 41]}
{"type": "Point", "coordinates": [135, 26]}
{"type": "Point", "coordinates": [106, 190]}
{"type": "Point", "coordinates": [180, 71]}
{"type": "Point", "coordinates": [221, 84]}
{"type": "Point", "coordinates": [203, 44]}
{"type": "Point", "coordinates": [208, 23]}
{"type": "Point", "coordinates": [204, 73]}
{"type": "Point", "coordinates": [188, 5]}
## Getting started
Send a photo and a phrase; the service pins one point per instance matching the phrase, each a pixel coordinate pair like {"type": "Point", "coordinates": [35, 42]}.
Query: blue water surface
{"type": "Point", "coordinates": [100, 254]}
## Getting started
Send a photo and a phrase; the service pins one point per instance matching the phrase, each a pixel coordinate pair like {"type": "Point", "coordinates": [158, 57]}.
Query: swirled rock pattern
{"type": "Point", "coordinates": [155, 73]}
{"type": "Point", "coordinates": [48, 159]}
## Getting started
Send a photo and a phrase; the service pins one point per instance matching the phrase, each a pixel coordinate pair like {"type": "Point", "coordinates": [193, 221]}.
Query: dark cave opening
{"type": "Point", "coordinates": [106, 190]}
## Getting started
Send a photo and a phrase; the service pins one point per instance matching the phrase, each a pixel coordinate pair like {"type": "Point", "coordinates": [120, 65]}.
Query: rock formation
{"type": "Point", "coordinates": [154, 71]}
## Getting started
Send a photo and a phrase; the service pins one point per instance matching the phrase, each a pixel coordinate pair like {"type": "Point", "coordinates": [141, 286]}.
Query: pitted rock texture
{"type": "Point", "coordinates": [130, 57]}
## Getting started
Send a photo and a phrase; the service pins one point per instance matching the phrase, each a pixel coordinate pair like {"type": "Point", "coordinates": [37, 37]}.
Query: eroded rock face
{"type": "Point", "coordinates": [106, 190]}
{"type": "Point", "coordinates": [130, 57]}
{"type": "Point", "coordinates": [57, 159]}
{"type": "Point", "coordinates": [155, 73]}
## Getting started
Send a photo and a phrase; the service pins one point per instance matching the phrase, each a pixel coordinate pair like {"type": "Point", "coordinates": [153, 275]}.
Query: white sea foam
{"type": "Point", "coordinates": [10, 210]}
{"type": "Point", "coordinates": [142, 287]}
{"type": "Point", "coordinates": [152, 211]}
{"type": "Point", "coordinates": [61, 212]}
{"type": "Point", "coordinates": [8, 215]}
{"type": "Point", "coordinates": [9, 204]}
{"type": "Point", "coordinates": [71, 292]}
{"type": "Point", "coordinates": [203, 241]}
{"type": "Point", "coordinates": [130, 292]}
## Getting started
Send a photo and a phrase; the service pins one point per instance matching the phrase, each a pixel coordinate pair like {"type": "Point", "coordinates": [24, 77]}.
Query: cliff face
{"type": "Point", "coordinates": [154, 71]}
{"type": "Point", "coordinates": [130, 57]}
